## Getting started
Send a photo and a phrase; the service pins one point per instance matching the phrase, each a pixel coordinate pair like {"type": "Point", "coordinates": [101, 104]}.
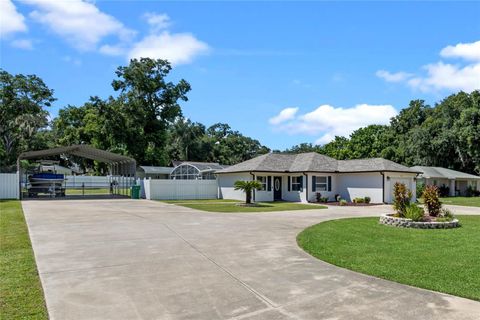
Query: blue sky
{"type": "Point", "coordinates": [281, 72]}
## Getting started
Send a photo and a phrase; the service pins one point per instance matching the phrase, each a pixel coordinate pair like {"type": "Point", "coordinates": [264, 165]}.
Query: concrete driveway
{"type": "Point", "coordinates": [123, 259]}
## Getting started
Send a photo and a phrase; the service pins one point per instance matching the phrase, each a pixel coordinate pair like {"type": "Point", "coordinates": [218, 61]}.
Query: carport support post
{"type": "Point", "coordinates": [19, 176]}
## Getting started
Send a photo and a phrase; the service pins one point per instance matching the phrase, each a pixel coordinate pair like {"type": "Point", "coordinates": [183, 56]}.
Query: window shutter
{"type": "Point", "coordinates": [329, 185]}
{"type": "Point", "coordinates": [314, 183]}
{"type": "Point", "coordinates": [301, 183]}
{"type": "Point", "coordinates": [269, 183]}
{"type": "Point", "coordinates": [288, 183]}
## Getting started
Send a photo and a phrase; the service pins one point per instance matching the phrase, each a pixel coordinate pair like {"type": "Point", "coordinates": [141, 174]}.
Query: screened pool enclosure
{"type": "Point", "coordinates": [195, 171]}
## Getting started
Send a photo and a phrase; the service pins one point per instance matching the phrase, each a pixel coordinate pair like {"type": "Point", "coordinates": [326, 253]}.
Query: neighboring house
{"type": "Point", "coordinates": [297, 177]}
{"type": "Point", "coordinates": [189, 170]}
{"type": "Point", "coordinates": [153, 172]}
{"type": "Point", "coordinates": [456, 181]}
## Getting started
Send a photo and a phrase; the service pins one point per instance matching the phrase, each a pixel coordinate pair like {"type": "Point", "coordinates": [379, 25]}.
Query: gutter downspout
{"type": "Point", "coordinates": [306, 186]}
{"type": "Point", "coordinates": [253, 179]}
{"type": "Point", "coordinates": [383, 186]}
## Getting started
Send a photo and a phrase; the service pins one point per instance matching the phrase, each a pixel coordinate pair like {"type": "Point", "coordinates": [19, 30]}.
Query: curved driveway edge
{"type": "Point", "coordinates": [127, 259]}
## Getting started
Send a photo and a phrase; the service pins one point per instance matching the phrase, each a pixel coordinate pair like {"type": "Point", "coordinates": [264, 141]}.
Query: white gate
{"type": "Point", "coordinates": [9, 186]}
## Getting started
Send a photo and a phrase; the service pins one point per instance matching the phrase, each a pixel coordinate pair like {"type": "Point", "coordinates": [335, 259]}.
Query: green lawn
{"type": "Point", "coordinates": [21, 295]}
{"type": "Point", "coordinates": [462, 201]}
{"type": "Point", "coordinates": [445, 260]}
{"type": "Point", "coordinates": [222, 206]}
{"type": "Point", "coordinates": [88, 191]}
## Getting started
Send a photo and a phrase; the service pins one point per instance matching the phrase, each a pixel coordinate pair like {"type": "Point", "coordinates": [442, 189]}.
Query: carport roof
{"type": "Point", "coordinates": [81, 150]}
{"type": "Point", "coordinates": [443, 173]}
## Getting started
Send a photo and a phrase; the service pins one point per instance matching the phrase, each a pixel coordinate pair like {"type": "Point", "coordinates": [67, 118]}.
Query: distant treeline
{"type": "Point", "coordinates": [144, 120]}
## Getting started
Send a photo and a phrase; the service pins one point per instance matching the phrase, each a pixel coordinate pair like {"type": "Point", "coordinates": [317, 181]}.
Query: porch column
{"type": "Point", "coordinates": [452, 188]}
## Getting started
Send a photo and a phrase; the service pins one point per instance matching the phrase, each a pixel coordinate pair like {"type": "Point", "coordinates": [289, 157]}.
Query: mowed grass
{"type": "Point", "coordinates": [86, 191]}
{"type": "Point", "coordinates": [462, 201]}
{"type": "Point", "coordinates": [21, 295]}
{"type": "Point", "coordinates": [445, 260]}
{"type": "Point", "coordinates": [218, 206]}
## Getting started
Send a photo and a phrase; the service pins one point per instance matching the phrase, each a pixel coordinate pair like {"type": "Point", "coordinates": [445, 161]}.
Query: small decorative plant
{"type": "Point", "coordinates": [337, 197]}
{"type": "Point", "coordinates": [432, 201]}
{"type": "Point", "coordinates": [401, 199]}
{"type": "Point", "coordinates": [324, 199]}
{"type": "Point", "coordinates": [247, 187]}
{"type": "Point", "coordinates": [318, 196]}
{"type": "Point", "coordinates": [358, 200]}
{"type": "Point", "coordinates": [367, 199]}
{"type": "Point", "coordinates": [414, 212]}
{"type": "Point", "coordinates": [343, 202]}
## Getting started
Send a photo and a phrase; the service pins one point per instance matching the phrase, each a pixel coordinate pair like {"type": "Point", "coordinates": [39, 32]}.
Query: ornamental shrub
{"type": "Point", "coordinates": [367, 199]}
{"type": "Point", "coordinates": [420, 188]}
{"type": "Point", "coordinates": [444, 191]}
{"type": "Point", "coordinates": [402, 197]}
{"type": "Point", "coordinates": [359, 200]}
{"type": "Point", "coordinates": [343, 202]}
{"type": "Point", "coordinates": [431, 200]}
{"type": "Point", "coordinates": [414, 212]}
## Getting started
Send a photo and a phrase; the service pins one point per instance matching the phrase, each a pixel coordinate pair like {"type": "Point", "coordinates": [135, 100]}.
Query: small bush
{"type": "Point", "coordinates": [324, 199]}
{"type": "Point", "coordinates": [443, 191]}
{"type": "Point", "coordinates": [420, 188]}
{"type": "Point", "coordinates": [414, 212]}
{"type": "Point", "coordinates": [470, 192]}
{"type": "Point", "coordinates": [401, 199]}
{"type": "Point", "coordinates": [358, 200]}
{"type": "Point", "coordinates": [432, 201]}
{"type": "Point", "coordinates": [367, 199]}
{"type": "Point", "coordinates": [446, 214]}
{"type": "Point", "coordinates": [337, 197]}
{"type": "Point", "coordinates": [343, 202]}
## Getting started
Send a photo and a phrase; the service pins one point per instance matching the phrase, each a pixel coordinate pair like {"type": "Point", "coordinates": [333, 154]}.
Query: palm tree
{"type": "Point", "coordinates": [247, 187]}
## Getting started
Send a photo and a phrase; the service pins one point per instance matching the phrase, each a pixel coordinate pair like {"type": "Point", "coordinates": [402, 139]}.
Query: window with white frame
{"type": "Point", "coordinates": [297, 183]}
{"type": "Point", "coordinates": [321, 184]}
{"type": "Point", "coordinates": [263, 181]}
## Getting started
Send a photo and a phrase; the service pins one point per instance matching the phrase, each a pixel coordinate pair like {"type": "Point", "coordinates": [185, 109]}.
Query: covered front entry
{"type": "Point", "coordinates": [277, 188]}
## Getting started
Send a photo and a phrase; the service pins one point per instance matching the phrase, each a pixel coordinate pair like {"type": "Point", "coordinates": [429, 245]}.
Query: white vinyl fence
{"type": "Point", "coordinates": [162, 189]}
{"type": "Point", "coordinates": [87, 181]}
{"type": "Point", "coordinates": [9, 185]}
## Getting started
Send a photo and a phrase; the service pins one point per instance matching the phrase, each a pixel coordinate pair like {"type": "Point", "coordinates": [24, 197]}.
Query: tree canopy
{"type": "Point", "coordinates": [144, 120]}
{"type": "Point", "coordinates": [445, 135]}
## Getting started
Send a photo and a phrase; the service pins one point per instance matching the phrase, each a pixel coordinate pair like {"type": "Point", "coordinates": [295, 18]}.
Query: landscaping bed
{"type": "Point", "coordinates": [351, 204]}
{"type": "Point", "coordinates": [219, 206]}
{"type": "Point", "coordinates": [428, 223]}
{"type": "Point", "coordinates": [440, 260]}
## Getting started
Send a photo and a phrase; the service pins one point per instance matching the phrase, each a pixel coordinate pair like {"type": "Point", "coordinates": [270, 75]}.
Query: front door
{"type": "Point", "coordinates": [277, 188]}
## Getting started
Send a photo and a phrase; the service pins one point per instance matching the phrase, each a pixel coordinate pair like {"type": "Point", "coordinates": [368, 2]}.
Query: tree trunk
{"type": "Point", "coordinates": [249, 196]}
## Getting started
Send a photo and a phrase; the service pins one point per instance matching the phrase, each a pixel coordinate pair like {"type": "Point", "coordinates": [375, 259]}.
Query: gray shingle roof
{"type": "Point", "coordinates": [156, 170]}
{"type": "Point", "coordinates": [443, 173]}
{"type": "Point", "coordinates": [312, 161]}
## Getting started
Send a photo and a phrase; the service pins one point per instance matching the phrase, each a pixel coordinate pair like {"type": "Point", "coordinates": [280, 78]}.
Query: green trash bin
{"type": "Point", "coordinates": [135, 192]}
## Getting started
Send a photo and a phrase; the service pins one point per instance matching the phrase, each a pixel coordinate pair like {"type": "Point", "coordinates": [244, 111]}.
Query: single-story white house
{"type": "Point", "coordinates": [298, 177]}
{"type": "Point", "coordinates": [456, 181]}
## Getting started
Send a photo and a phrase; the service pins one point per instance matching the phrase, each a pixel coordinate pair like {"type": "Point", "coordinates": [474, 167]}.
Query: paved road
{"type": "Point", "coordinates": [124, 259]}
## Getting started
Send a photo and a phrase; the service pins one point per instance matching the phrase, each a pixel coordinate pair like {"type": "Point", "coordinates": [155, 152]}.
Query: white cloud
{"type": "Point", "coordinates": [81, 23]}
{"type": "Point", "coordinates": [178, 48]}
{"type": "Point", "coordinates": [447, 76]}
{"type": "Point", "coordinates": [12, 21]}
{"type": "Point", "coordinates": [284, 115]}
{"type": "Point", "coordinates": [113, 50]}
{"type": "Point", "coordinates": [329, 121]}
{"type": "Point", "coordinates": [468, 51]}
{"type": "Point", "coordinates": [157, 21]}
{"type": "Point", "coordinates": [441, 76]}
{"type": "Point", "coordinates": [393, 77]}
{"type": "Point", "coordinates": [74, 61]}
{"type": "Point", "coordinates": [22, 44]}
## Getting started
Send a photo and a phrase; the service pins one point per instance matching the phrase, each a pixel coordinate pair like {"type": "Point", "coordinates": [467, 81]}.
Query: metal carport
{"type": "Point", "coordinates": [120, 165]}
